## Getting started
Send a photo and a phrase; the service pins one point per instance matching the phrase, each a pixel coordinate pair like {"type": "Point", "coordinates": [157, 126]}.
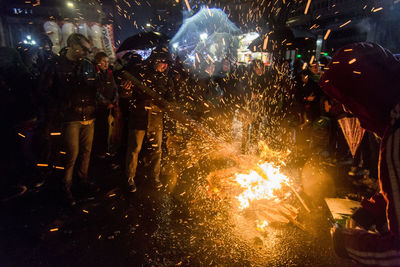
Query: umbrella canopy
{"type": "Point", "coordinates": [207, 35]}
{"type": "Point", "coordinates": [143, 40]}
{"type": "Point", "coordinates": [353, 132]}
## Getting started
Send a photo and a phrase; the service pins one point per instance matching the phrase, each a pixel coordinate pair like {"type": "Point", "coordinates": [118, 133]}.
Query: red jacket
{"type": "Point", "coordinates": [366, 79]}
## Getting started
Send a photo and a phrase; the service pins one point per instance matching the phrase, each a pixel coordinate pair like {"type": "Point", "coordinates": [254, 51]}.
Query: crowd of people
{"type": "Point", "coordinates": [120, 110]}
{"type": "Point", "coordinates": [92, 103]}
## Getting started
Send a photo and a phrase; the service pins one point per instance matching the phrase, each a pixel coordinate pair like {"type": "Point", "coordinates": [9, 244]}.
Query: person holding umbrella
{"type": "Point", "coordinates": [146, 118]}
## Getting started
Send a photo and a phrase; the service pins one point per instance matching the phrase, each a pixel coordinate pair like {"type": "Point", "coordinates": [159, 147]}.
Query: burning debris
{"type": "Point", "coordinates": [261, 193]}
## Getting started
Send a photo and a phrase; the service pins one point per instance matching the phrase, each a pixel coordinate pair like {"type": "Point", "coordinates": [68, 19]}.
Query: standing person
{"type": "Point", "coordinates": [146, 119]}
{"type": "Point", "coordinates": [256, 88]}
{"type": "Point", "coordinates": [107, 102]}
{"type": "Point", "coordinates": [76, 83]}
{"type": "Point", "coordinates": [369, 88]}
{"type": "Point", "coordinates": [228, 80]}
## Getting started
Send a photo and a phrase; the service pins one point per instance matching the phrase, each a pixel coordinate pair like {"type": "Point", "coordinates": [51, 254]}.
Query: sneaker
{"type": "Point", "coordinates": [132, 187]}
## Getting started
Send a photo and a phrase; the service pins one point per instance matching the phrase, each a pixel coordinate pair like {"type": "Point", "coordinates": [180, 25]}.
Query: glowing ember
{"type": "Point", "coordinates": [259, 186]}
{"type": "Point", "coordinates": [262, 225]}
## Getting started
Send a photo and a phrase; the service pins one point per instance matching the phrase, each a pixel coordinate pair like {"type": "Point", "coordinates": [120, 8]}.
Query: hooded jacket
{"type": "Point", "coordinates": [366, 79]}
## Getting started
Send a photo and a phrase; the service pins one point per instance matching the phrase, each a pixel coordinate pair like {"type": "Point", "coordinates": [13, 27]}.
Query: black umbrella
{"type": "Point", "coordinates": [143, 40]}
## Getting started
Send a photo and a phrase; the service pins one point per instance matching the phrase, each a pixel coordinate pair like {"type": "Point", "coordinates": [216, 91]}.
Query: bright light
{"type": "Point", "coordinates": [260, 185]}
{"type": "Point", "coordinates": [175, 45]}
{"type": "Point", "coordinates": [203, 36]}
{"type": "Point", "coordinates": [29, 41]}
{"type": "Point", "coordinates": [148, 25]}
{"type": "Point", "coordinates": [70, 4]}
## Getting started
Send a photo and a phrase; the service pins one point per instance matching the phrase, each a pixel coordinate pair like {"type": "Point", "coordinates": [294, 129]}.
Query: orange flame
{"type": "Point", "coordinates": [258, 186]}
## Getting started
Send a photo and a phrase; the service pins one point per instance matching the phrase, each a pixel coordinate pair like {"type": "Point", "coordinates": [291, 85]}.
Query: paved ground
{"type": "Point", "coordinates": [153, 228]}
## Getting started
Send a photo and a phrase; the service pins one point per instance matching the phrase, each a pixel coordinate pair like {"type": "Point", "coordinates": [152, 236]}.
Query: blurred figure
{"type": "Point", "coordinates": [18, 114]}
{"type": "Point", "coordinates": [107, 103]}
{"type": "Point", "coordinates": [369, 89]}
{"type": "Point", "coordinates": [256, 86]}
{"type": "Point", "coordinates": [209, 97]}
{"type": "Point", "coordinates": [230, 85]}
{"type": "Point", "coordinates": [146, 119]}
{"type": "Point", "coordinates": [131, 63]}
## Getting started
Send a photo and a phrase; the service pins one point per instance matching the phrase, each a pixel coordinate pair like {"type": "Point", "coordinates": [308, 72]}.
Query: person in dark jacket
{"type": "Point", "coordinates": [256, 88]}
{"type": "Point", "coordinates": [107, 101]}
{"type": "Point", "coordinates": [229, 81]}
{"type": "Point", "coordinates": [146, 118]}
{"type": "Point", "coordinates": [365, 79]}
{"type": "Point", "coordinates": [75, 81]}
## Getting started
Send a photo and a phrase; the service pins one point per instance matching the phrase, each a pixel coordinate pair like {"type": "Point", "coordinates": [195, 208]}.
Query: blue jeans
{"type": "Point", "coordinates": [78, 137]}
{"type": "Point", "coordinates": [135, 143]}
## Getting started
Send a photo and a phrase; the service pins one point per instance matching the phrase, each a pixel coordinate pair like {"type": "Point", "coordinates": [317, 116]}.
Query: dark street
{"type": "Point", "coordinates": [154, 228]}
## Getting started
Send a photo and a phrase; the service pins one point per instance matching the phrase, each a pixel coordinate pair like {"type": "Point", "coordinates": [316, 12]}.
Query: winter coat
{"type": "Point", "coordinates": [370, 88]}
{"type": "Point", "coordinates": [107, 92]}
{"type": "Point", "coordinates": [144, 114]}
{"type": "Point", "coordinates": [76, 84]}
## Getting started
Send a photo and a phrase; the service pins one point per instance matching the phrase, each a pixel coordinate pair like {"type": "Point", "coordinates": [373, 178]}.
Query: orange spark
{"type": "Point", "coordinates": [352, 61]}
{"type": "Point", "coordinates": [327, 34]}
{"type": "Point", "coordinates": [307, 7]}
{"type": "Point", "coordinates": [344, 24]}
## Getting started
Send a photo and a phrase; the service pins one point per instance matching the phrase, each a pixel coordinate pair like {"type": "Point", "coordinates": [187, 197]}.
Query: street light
{"type": "Point", "coordinates": [70, 4]}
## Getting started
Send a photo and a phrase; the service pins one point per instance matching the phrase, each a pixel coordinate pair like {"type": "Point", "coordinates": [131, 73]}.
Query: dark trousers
{"type": "Point", "coordinates": [78, 137]}
{"type": "Point", "coordinates": [153, 142]}
{"type": "Point", "coordinates": [102, 129]}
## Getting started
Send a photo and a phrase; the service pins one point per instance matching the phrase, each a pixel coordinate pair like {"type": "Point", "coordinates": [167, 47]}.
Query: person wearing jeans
{"type": "Point", "coordinates": [75, 82]}
{"type": "Point", "coordinates": [78, 137]}
{"type": "Point", "coordinates": [135, 143]}
{"type": "Point", "coordinates": [146, 118]}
